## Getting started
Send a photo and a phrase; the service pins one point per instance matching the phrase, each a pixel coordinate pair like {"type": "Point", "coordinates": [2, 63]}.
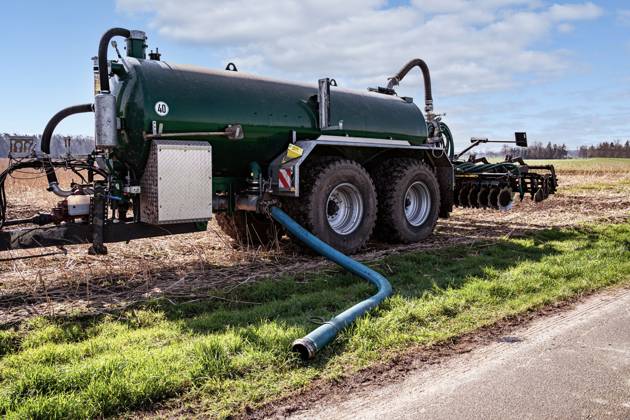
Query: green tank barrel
{"type": "Point", "coordinates": [154, 95]}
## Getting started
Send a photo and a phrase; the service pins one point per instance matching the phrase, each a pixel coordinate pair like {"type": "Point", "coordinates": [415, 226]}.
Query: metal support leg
{"type": "Point", "coordinates": [98, 221]}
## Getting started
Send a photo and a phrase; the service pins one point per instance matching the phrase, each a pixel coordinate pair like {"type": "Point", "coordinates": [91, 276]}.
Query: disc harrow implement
{"type": "Point", "coordinates": [480, 184]}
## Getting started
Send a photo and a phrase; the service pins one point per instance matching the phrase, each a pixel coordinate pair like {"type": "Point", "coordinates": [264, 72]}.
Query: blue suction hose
{"type": "Point", "coordinates": [317, 339]}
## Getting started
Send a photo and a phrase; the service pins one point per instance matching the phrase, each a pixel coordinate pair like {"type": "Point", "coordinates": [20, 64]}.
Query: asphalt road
{"type": "Point", "coordinates": [572, 365]}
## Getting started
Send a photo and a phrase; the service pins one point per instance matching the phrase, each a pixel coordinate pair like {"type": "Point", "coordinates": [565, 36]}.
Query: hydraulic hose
{"type": "Point", "coordinates": [449, 144]}
{"type": "Point", "coordinates": [428, 96]}
{"type": "Point", "coordinates": [103, 46]}
{"type": "Point", "coordinates": [57, 118]}
{"type": "Point", "coordinates": [53, 183]}
{"type": "Point", "coordinates": [308, 345]}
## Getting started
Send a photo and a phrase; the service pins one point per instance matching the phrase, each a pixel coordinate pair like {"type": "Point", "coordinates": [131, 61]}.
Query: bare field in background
{"type": "Point", "coordinates": [192, 266]}
{"type": "Point", "coordinates": [26, 190]}
{"type": "Point", "coordinates": [593, 166]}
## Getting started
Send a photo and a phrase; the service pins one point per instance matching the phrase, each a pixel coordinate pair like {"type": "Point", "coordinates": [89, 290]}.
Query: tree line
{"type": "Point", "coordinates": [78, 145]}
{"type": "Point", "coordinates": [606, 149]}
{"type": "Point", "coordinates": [536, 150]}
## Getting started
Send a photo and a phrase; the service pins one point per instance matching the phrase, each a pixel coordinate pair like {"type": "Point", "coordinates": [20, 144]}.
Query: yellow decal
{"type": "Point", "coordinates": [294, 152]}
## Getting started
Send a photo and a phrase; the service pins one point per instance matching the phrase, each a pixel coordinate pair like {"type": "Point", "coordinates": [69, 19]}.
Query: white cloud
{"type": "Point", "coordinates": [470, 48]}
{"type": "Point", "coordinates": [560, 12]}
{"type": "Point", "coordinates": [565, 28]}
{"type": "Point", "coordinates": [623, 16]}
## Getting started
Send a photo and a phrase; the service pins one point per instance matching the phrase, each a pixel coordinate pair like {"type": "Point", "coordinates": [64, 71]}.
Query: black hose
{"type": "Point", "coordinates": [48, 133]}
{"type": "Point", "coordinates": [57, 118]}
{"type": "Point", "coordinates": [428, 96]}
{"type": "Point", "coordinates": [449, 144]}
{"type": "Point", "coordinates": [104, 80]}
{"type": "Point", "coordinates": [102, 54]}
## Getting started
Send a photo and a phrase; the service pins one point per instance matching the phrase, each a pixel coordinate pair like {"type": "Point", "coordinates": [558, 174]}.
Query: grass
{"type": "Point", "coordinates": [590, 166]}
{"type": "Point", "coordinates": [620, 185]}
{"type": "Point", "coordinates": [597, 174]}
{"type": "Point", "coordinates": [226, 354]}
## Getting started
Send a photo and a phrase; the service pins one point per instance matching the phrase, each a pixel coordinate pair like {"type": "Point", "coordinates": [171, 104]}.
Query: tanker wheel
{"type": "Point", "coordinates": [409, 200]}
{"type": "Point", "coordinates": [337, 203]}
{"type": "Point", "coordinates": [248, 228]}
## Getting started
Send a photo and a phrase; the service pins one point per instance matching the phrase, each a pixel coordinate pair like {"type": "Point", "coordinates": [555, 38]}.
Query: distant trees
{"type": "Point", "coordinates": [537, 151]}
{"type": "Point", "coordinates": [615, 149]}
{"type": "Point", "coordinates": [79, 145]}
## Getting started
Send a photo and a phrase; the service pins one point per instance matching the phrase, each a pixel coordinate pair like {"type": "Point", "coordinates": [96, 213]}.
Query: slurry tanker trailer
{"type": "Point", "coordinates": [177, 145]}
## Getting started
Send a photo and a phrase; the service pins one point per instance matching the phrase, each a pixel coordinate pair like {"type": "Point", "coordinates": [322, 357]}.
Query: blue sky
{"type": "Point", "coordinates": [560, 71]}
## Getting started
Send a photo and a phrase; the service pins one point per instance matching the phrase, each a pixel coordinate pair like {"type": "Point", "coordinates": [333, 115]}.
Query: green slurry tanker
{"type": "Point", "coordinates": [178, 145]}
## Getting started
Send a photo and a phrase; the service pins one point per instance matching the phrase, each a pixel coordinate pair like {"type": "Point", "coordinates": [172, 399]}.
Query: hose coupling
{"type": "Point", "coordinates": [305, 347]}
{"type": "Point", "coordinates": [57, 190]}
{"type": "Point", "coordinates": [392, 81]}
{"type": "Point", "coordinates": [265, 206]}
{"type": "Point", "coordinates": [428, 107]}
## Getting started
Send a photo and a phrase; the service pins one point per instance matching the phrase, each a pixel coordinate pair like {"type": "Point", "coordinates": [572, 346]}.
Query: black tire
{"type": "Point", "coordinates": [394, 178]}
{"type": "Point", "coordinates": [248, 228]}
{"type": "Point", "coordinates": [319, 179]}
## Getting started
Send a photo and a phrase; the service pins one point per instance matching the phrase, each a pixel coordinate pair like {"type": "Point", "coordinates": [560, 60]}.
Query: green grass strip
{"type": "Point", "coordinates": [222, 356]}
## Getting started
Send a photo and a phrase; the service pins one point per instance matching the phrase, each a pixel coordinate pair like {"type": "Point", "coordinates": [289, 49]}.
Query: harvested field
{"type": "Point", "coordinates": [190, 326]}
{"type": "Point", "coordinates": [195, 266]}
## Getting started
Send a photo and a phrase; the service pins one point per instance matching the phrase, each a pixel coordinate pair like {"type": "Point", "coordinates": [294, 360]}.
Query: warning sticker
{"type": "Point", "coordinates": [284, 178]}
{"type": "Point", "coordinates": [161, 108]}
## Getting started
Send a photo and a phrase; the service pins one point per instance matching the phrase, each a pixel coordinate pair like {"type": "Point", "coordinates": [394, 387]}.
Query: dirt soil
{"type": "Point", "coordinates": [195, 266]}
{"type": "Point", "coordinates": [370, 382]}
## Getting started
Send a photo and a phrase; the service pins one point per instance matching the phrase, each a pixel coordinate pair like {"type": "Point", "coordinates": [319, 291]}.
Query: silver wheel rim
{"type": "Point", "coordinates": [344, 208]}
{"type": "Point", "coordinates": [417, 203]}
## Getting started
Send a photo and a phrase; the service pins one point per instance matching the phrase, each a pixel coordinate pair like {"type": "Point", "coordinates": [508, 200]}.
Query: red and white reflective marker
{"type": "Point", "coordinates": [284, 178]}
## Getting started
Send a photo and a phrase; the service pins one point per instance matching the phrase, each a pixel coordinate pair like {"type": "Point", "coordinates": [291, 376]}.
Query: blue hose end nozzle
{"type": "Point", "coordinates": [305, 347]}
